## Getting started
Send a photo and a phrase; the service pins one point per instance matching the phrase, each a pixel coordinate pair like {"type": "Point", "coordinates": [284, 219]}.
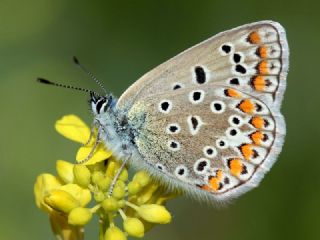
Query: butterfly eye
{"type": "Point", "coordinates": [101, 104]}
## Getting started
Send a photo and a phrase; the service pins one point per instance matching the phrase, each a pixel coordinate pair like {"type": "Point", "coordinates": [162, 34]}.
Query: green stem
{"type": "Point", "coordinates": [135, 207]}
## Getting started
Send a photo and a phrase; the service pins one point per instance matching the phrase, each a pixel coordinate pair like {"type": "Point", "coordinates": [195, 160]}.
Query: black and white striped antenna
{"type": "Point", "coordinates": [45, 81]}
{"type": "Point", "coordinates": [94, 78]}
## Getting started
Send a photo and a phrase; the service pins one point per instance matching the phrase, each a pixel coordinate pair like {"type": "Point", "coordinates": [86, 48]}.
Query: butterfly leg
{"type": "Point", "coordinates": [115, 178]}
{"type": "Point", "coordinates": [91, 134]}
{"type": "Point", "coordinates": [96, 143]}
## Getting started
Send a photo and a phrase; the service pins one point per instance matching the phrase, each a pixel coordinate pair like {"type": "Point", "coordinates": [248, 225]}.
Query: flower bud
{"type": "Point", "coordinates": [124, 175]}
{"type": "Point", "coordinates": [118, 192]}
{"type": "Point", "coordinates": [120, 183]}
{"type": "Point", "coordinates": [147, 193]}
{"type": "Point", "coordinates": [134, 227]}
{"type": "Point", "coordinates": [99, 196]}
{"type": "Point", "coordinates": [114, 233]}
{"type": "Point", "coordinates": [104, 184]}
{"type": "Point", "coordinates": [154, 213]}
{"type": "Point", "coordinates": [65, 171]}
{"type": "Point", "coordinates": [79, 216]}
{"type": "Point", "coordinates": [61, 201]}
{"type": "Point", "coordinates": [121, 203]}
{"type": "Point", "coordinates": [134, 187]}
{"type": "Point", "coordinates": [110, 204]}
{"type": "Point", "coordinates": [82, 175]}
{"type": "Point", "coordinates": [97, 176]}
{"type": "Point", "coordinates": [112, 167]}
{"type": "Point", "coordinates": [142, 178]}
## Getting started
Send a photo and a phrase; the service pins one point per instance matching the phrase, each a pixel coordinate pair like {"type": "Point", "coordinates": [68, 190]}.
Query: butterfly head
{"type": "Point", "coordinates": [101, 104]}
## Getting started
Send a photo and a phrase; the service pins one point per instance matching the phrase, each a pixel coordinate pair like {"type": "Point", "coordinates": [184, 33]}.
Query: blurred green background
{"type": "Point", "coordinates": [119, 41]}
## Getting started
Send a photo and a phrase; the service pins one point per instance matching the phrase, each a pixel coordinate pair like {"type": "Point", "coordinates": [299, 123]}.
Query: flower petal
{"type": "Point", "coordinates": [80, 194]}
{"type": "Point", "coordinates": [44, 184]}
{"type": "Point", "coordinates": [73, 128]}
{"type": "Point", "coordinates": [100, 154]}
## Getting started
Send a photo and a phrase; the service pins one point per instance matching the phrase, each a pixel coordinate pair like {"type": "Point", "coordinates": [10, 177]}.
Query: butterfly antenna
{"type": "Point", "coordinates": [45, 81]}
{"type": "Point", "coordinates": [76, 61]}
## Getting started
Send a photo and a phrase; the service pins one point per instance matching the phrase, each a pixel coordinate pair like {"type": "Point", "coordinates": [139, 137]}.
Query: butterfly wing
{"type": "Point", "coordinates": [252, 57]}
{"type": "Point", "coordinates": [208, 120]}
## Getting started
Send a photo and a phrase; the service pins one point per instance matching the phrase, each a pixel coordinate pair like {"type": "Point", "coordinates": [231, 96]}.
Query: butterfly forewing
{"type": "Point", "coordinates": [252, 57]}
{"type": "Point", "coordinates": [211, 119]}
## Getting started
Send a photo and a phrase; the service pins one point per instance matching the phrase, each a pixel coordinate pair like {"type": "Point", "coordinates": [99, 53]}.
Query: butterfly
{"type": "Point", "coordinates": [207, 121]}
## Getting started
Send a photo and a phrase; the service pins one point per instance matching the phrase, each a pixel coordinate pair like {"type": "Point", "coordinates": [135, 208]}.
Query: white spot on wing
{"type": "Point", "coordinates": [173, 145]}
{"type": "Point", "coordinates": [201, 166]}
{"type": "Point", "coordinates": [194, 94]}
{"type": "Point", "coordinates": [181, 171]}
{"type": "Point", "coordinates": [165, 106]}
{"type": "Point", "coordinates": [194, 123]}
{"type": "Point", "coordinates": [217, 107]}
{"type": "Point", "coordinates": [173, 128]}
{"type": "Point", "coordinates": [210, 151]}
{"type": "Point", "coordinates": [222, 143]}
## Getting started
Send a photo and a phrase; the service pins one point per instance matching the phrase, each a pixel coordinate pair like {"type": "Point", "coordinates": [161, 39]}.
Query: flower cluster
{"type": "Point", "coordinates": [79, 191]}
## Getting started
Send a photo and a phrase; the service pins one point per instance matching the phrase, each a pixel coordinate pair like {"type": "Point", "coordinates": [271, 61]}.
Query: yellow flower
{"type": "Point", "coordinates": [65, 171]}
{"type": "Point", "coordinates": [44, 184]}
{"type": "Point", "coordinates": [73, 128]}
{"type": "Point", "coordinates": [114, 233]}
{"type": "Point", "coordinates": [139, 201]}
{"type": "Point", "coordinates": [82, 195]}
{"type": "Point", "coordinates": [79, 216]}
{"type": "Point", "coordinates": [82, 175]}
{"type": "Point", "coordinates": [61, 201]}
{"type": "Point", "coordinates": [134, 227]}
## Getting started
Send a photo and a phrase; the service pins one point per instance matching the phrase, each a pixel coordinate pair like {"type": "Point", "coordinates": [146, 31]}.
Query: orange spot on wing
{"type": "Point", "coordinates": [246, 106]}
{"type": "Point", "coordinates": [219, 174]}
{"type": "Point", "coordinates": [254, 38]}
{"type": "Point", "coordinates": [215, 182]}
{"type": "Point", "coordinates": [257, 137]}
{"type": "Point", "coordinates": [262, 51]}
{"type": "Point", "coordinates": [263, 67]}
{"type": "Point", "coordinates": [206, 188]}
{"type": "Point", "coordinates": [259, 83]}
{"type": "Point", "coordinates": [246, 151]}
{"type": "Point", "coordinates": [232, 93]}
{"type": "Point", "coordinates": [235, 166]}
{"type": "Point", "coordinates": [257, 122]}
